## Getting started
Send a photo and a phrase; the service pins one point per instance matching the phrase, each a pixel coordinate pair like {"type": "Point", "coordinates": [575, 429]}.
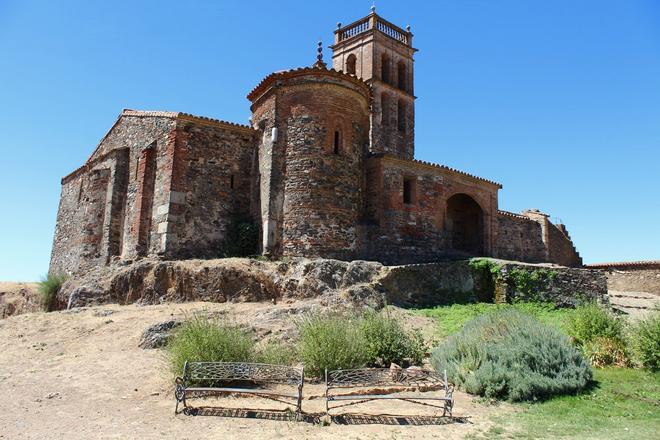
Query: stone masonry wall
{"type": "Point", "coordinates": [519, 238]}
{"type": "Point", "coordinates": [636, 276]}
{"type": "Point", "coordinates": [401, 233]}
{"type": "Point", "coordinates": [560, 247]}
{"type": "Point", "coordinates": [310, 175]}
{"type": "Point", "coordinates": [214, 188]}
{"type": "Point", "coordinates": [87, 231]}
{"type": "Point", "coordinates": [322, 191]}
{"type": "Point", "coordinates": [532, 238]}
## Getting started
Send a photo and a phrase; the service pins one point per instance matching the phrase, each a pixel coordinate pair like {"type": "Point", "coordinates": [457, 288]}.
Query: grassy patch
{"type": "Point", "coordinates": [203, 340]}
{"type": "Point", "coordinates": [452, 318]}
{"type": "Point", "coordinates": [48, 288]}
{"type": "Point", "coordinates": [623, 404]}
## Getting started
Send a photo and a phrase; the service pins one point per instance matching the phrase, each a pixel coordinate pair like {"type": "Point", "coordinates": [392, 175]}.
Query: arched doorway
{"type": "Point", "coordinates": [465, 225]}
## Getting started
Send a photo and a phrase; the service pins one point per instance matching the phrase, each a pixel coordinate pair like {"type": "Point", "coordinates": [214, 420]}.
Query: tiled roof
{"type": "Point", "coordinates": [163, 114]}
{"type": "Point", "coordinates": [174, 115]}
{"type": "Point", "coordinates": [513, 214]}
{"type": "Point", "coordinates": [650, 264]}
{"type": "Point", "coordinates": [263, 85]}
{"type": "Point", "coordinates": [435, 165]}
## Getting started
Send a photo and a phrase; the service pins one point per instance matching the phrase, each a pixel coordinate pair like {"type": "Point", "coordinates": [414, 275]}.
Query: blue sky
{"type": "Point", "coordinates": [557, 100]}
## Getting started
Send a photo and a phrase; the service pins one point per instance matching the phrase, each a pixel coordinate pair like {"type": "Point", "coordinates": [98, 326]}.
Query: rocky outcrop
{"type": "Point", "coordinates": [331, 282]}
{"type": "Point", "coordinates": [158, 335]}
{"type": "Point", "coordinates": [18, 298]}
{"type": "Point", "coordinates": [235, 280]}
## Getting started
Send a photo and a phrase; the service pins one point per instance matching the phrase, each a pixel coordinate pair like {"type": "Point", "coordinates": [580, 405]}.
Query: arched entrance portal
{"type": "Point", "coordinates": [465, 224]}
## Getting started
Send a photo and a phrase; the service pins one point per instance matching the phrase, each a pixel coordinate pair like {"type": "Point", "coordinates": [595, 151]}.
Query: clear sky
{"type": "Point", "coordinates": [557, 100]}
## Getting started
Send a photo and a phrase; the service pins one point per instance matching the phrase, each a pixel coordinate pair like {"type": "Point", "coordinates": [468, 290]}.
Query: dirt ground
{"type": "Point", "coordinates": [80, 374]}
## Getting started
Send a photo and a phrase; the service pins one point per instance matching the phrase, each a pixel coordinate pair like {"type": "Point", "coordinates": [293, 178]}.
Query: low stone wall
{"type": "Point", "coordinates": [491, 280]}
{"type": "Point", "coordinates": [564, 286]}
{"type": "Point", "coordinates": [631, 276]}
{"type": "Point", "coordinates": [333, 282]}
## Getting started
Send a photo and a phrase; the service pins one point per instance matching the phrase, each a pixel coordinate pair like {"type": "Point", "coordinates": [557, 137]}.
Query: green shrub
{"type": "Point", "coordinates": [242, 237]}
{"type": "Point", "coordinates": [603, 352]}
{"type": "Point", "coordinates": [510, 355]}
{"type": "Point", "coordinates": [332, 342]}
{"type": "Point", "coordinates": [646, 342]}
{"type": "Point", "coordinates": [275, 353]}
{"type": "Point", "coordinates": [529, 285]}
{"type": "Point", "coordinates": [387, 342]}
{"type": "Point", "coordinates": [200, 339]}
{"type": "Point", "coordinates": [591, 321]}
{"type": "Point", "coordinates": [48, 288]}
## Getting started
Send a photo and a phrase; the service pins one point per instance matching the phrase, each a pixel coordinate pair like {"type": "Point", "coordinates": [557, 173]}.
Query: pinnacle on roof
{"type": "Point", "coordinates": [319, 64]}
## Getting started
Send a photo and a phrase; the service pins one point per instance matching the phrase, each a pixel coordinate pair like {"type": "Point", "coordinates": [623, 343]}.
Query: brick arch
{"type": "Point", "coordinates": [465, 224]}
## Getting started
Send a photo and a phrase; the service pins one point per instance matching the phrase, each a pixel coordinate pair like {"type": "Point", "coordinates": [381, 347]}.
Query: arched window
{"type": "Point", "coordinates": [401, 115]}
{"type": "Point", "coordinates": [401, 75]}
{"type": "Point", "coordinates": [350, 64]}
{"type": "Point", "coordinates": [337, 141]}
{"type": "Point", "coordinates": [384, 109]}
{"type": "Point", "coordinates": [385, 68]}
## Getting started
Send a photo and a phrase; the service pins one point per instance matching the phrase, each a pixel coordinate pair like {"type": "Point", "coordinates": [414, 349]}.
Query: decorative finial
{"type": "Point", "coordinates": [319, 56]}
{"type": "Point", "coordinates": [373, 7]}
{"type": "Point", "coordinates": [408, 28]}
{"type": "Point", "coordinates": [338, 25]}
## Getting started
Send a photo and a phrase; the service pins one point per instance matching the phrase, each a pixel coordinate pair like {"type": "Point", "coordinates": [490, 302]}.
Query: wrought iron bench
{"type": "Point", "coordinates": [209, 378]}
{"type": "Point", "coordinates": [398, 381]}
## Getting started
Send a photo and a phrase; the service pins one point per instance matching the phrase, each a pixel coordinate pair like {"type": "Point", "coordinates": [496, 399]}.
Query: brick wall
{"type": "Point", "coordinates": [396, 232]}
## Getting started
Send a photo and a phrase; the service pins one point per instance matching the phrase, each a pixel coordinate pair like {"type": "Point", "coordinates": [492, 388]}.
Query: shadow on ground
{"type": "Point", "coordinates": [319, 418]}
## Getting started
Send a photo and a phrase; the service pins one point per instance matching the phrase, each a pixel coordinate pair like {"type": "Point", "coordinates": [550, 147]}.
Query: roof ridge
{"type": "Point", "coordinates": [306, 69]}
{"type": "Point", "coordinates": [437, 165]}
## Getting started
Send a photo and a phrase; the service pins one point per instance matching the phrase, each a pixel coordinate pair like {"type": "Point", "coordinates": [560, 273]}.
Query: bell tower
{"type": "Point", "coordinates": [381, 54]}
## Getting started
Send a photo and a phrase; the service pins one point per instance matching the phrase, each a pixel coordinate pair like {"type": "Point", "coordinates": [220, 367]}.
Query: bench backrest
{"type": "Point", "coordinates": [242, 371]}
{"type": "Point", "coordinates": [374, 377]}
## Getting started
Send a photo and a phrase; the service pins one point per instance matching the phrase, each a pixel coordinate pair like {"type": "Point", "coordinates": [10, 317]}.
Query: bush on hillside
{"type": "Point", "coordinates": [591, 321]}
{"type": "Point", "coordinates": [603, 352]}
{"type": "Point", "coordinates": [387, 342]}
{"type": "Point", "coordinates": [275, 353]}
{"type": "Point", "coordinates": [646, 342]}
{"type": "Point", "coordinates": [510, 355]}
{"type": "Point", "coordinates": [332, 342]}
{"type": "Point", "coordinates": [203, 340]}
{"type": "Point", "coordinates": [600, 334]}
{"type": "Point", "coordinates": [48, 288]}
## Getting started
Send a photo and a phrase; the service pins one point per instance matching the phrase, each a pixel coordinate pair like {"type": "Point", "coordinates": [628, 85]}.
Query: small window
{"type": "Point", "coordinates": [231, 181]}
{"type": "Point", "coordinates": [385, 68]}
{"type": "Point", "coordinates": [384, 109]}
{"type": "Point", "coordinates": [337, 142]}
{"type": "Point", "coordinates": [401, 116]}
{"type": "Point", "coordinates": [350, 64]}
{"type": "Point", "coordinates": [408, 190]}
{"type": "Point", "coordinates": [401, 75]}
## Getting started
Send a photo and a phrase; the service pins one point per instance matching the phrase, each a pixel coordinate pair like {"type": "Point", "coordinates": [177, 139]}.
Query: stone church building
{"type": "Point", "coordinates": [325, 169]}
